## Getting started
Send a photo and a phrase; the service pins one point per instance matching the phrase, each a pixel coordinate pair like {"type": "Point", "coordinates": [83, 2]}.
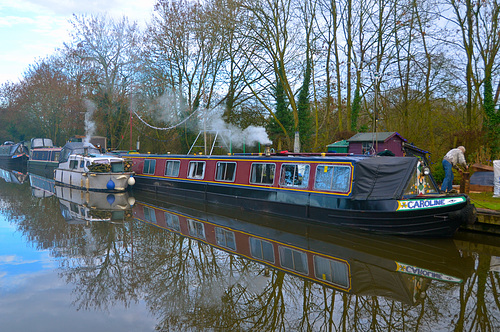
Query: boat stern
{"type": "Point", "coordinates": [467, 215]}
{"type": "Point", "coordinates": [110, 181]}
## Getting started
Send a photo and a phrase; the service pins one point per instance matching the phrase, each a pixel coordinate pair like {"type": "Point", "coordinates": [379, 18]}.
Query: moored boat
{"type": "Point", "coordinates": [13, 155]}
{"type": "Point", "coordinates": [389, 195]}
{"type": "Point", "coordinates": [43, 157]}
{"type": "Point", "coordinates": [81, 165]}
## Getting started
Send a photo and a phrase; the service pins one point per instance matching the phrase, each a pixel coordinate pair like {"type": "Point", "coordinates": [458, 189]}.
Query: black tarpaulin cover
{"type": "Point", "coordinates": [382, 177]}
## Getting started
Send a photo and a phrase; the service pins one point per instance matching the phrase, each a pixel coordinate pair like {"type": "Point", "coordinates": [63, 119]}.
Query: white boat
{"type": "Point", "coordinates": [81, 165]}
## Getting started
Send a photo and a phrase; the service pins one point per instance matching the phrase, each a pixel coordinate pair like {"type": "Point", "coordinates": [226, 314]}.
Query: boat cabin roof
{"type": "Point", "coordinates": [10, 149]}
{"type": "Point", "coordinates": [374, 177]}
{"type": "Point", "coordinates": [84, 149]}
{"type": "Point", "coordinates": [41, 143]}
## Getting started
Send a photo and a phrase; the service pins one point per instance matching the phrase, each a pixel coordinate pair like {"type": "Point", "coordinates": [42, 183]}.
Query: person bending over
{"type": "Point", "coordinates": [453, 158]}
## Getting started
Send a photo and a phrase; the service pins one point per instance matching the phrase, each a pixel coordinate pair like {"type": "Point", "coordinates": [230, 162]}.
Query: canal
{"type": "Point", "coordinates": [142, 262]}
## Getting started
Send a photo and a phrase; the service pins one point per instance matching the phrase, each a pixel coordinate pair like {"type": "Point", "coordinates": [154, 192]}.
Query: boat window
{"type": "Point", "coordinates": [82, 163]}
{"type": "Point", "coordinates": [172, 221]}
{"type": "Point", "coordinates": [73, 164]}
{"type": "Point", "coordinates": [225, 171]}
{"type": "Point", "coordinates": [419, 183]}
{"type": "Point", "coordinates": [196, 169]}
{"type": "Point", "coordinates": [294, 175]}
{"type": "Point", "coordinates": [149, 215]}
{"type": "Point", "coordinates": [262, 173]}
{"type": "Point", "coordinates": [55, 156]}
{"type": "Point", "coordinates": [118, 215]}
{"type": "Point", "coordinates": [41, 155]}
{"type": "Point", "coordinates": [196, 229]}
{"type": "Point", "coordinates": [172, 168]}
{"type": "Point", "coordinates": [117, 167]}
{"type": "Point", "coordinates": [149, 166]}
{"type": "Point", "coordinates": [74, 208]}
{"type": "Point", "coordinates": [293, 259]}
{"type": "Point", "coordinates": [262, 250]}
{"type": "Point", "coordinates": [225, 238]}
{"type": "Point", "coordinates": [333, 178]}
{"type": "Point", "coordinates": [330, 270]}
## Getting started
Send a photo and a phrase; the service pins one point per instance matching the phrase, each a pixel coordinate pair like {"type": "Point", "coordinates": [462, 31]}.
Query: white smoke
{"type": "Point", "coordinates": [250, 136]}
{"type": "Point", "coordinates": [168, 104]}
{"type": "Point", "coordinates": [89, 123]}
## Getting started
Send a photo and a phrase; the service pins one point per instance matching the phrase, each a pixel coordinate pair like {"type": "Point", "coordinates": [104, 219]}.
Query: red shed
{"type": "Point", "coordinates": [362, 143]}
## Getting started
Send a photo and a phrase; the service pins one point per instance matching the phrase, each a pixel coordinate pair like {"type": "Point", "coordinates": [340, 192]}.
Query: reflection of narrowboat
{"type": "Point", "coordinates": [43, 157]}
{"type": "Point", "coordinates": [390, 195]}
{"type": "Point", "coordinates": [41, 186]}
{"type": "Point", "coordinates": [358, 263]}
{"type": "Point", "coordinates": [81, 207]}
{"type": "Point", "coordinates": [81, 165]}
{"type": "Point", "coordinates": [13, 155]}
{"type": "Point", "coordinates": [13, 176]}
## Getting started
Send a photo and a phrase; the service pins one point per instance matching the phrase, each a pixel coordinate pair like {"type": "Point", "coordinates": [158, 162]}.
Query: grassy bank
{"type": "Point", "coordinates": [485, 201]}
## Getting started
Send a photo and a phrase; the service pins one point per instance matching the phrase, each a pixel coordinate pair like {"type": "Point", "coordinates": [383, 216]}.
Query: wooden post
{"type": "Point", "coordinates": [465, 183]}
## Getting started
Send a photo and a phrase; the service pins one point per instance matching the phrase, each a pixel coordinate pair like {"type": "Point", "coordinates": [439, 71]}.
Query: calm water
{"type": "Point", "coordinates": [138, 262]}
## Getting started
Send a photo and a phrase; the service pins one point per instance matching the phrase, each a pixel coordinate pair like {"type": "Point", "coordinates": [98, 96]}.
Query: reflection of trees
{"type": "Point", "coordinates": [102, 271]}
{"type": "Point", "coordinates": [187, 284]}
{"type": "Point", "coordinates": [38, 219]}
{"type": "Point", "coordinates": [479, 299]}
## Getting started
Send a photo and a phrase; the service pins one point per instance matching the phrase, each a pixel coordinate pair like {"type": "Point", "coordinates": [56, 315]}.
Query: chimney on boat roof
{"type": "Point", "coordinates": [268, 150]}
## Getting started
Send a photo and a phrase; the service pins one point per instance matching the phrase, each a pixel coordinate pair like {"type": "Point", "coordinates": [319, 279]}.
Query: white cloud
{"type": "Point", "coordinates": [8, 259]}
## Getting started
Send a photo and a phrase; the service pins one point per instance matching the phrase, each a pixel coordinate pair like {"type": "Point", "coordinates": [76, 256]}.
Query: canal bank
{"type": "Point", "coordinates": [488, 221]}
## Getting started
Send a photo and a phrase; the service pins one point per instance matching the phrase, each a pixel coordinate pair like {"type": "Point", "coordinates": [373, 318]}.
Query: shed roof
{"type": "Point", "coordinates": [379, 137]}
{"type": "Point", "coordinates": [339, 143]}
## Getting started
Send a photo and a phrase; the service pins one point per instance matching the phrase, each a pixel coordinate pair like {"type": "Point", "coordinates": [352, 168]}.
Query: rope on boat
{"type": "Point", "coordinates": [152, 138]}
{"type": "Point", "coordinates": [168, 128]}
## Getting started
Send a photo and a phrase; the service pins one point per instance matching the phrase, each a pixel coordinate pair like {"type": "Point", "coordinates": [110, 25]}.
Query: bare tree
{"type": "Point", "coordinates": [109, 51]}
{"type": "Point", "coordinates": [272, 30]}
{"type": "Point", "coordinates": [185, 48]}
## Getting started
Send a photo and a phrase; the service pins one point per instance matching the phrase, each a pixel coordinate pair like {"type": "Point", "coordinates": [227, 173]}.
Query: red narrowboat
{"type": "Point", "coordinates": [388, 195]}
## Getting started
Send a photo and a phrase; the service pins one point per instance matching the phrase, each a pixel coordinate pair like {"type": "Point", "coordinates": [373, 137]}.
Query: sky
{"type": "Point", "coordinates": [33, 29]}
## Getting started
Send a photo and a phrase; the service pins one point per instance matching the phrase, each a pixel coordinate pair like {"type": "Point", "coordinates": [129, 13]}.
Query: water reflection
{"type": "Point", "coordinates": [352, 262]}
{"type": "Point", "coordinates": [13, 175]}
{"type": "Point", "coordinates": [201, 267]}
{"type": "Point", "coordinates": [359, 282]}
{"type": "Point", "coordinates": [81, 206]}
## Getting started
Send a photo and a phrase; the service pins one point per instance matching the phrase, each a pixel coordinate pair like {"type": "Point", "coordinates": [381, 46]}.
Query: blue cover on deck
{"type": "Point", "coordinates": [482, 178]}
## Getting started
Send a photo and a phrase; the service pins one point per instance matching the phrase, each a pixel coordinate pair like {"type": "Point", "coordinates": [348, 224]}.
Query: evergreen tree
{"type": "Point", "coordinates": [284, 116]}
{"type": "Point", "coordinates": [303, 108]}
{"type": "Point", "coordinates": [492, 117]}
{"type": "Point", "coordinates": [356, 105]}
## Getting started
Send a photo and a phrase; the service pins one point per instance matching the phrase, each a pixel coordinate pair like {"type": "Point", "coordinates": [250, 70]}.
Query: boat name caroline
{"type": "Point", "coordinates": [428, 203]}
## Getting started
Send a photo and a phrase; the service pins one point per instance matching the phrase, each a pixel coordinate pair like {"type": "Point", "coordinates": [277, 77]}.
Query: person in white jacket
{"type": "Point", "coordinates": [454, 158]}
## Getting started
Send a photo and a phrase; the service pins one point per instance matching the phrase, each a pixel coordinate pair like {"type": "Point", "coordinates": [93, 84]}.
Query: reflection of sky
{"type": "Point", "coordinates": [17, 258]}
{"type": "Point", "coordinates": [34, 298]}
